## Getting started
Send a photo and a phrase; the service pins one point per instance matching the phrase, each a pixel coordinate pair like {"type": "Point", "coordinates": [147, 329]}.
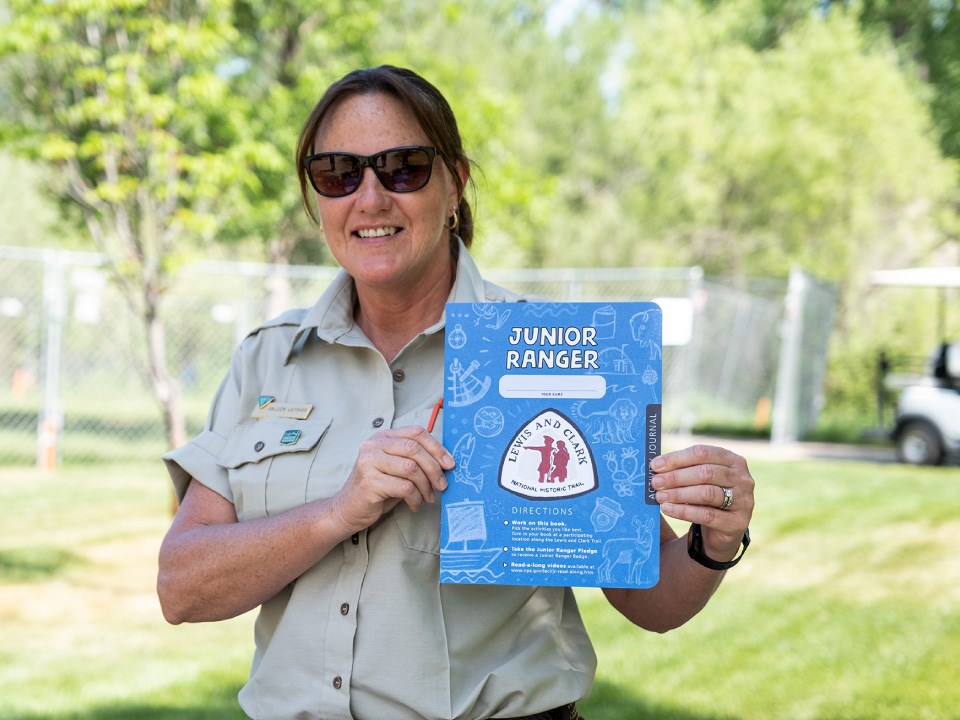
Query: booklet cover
{"type": "Point", "coordinates": [552, 412]}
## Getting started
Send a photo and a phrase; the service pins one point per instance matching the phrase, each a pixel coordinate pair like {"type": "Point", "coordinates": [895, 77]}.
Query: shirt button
{"type": "Point", "coordinates": [377, 422]}
{"type": "Point", "coordinates": [399, 375]}
{"type": "Point", "coordinates": [355, 538]}
{"type": "Point", "coordinates": [345, 609]}
{"type": "Point", "coordinates": [337, 682]}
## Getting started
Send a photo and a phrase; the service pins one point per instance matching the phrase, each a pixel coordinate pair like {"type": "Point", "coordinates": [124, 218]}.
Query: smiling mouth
{"type": "Point", "coordinates": [377, 232]}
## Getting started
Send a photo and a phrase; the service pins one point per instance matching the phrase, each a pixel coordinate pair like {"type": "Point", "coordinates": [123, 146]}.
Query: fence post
{"type": "Point", "coordinates": [54, 310]}
{"type": "Point", "coordinates": [687, 417]}
{"type": "Point", "coordinates": [785, 423]}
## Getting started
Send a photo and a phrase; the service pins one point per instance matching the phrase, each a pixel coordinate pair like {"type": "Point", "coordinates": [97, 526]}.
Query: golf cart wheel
{"type": "Point", "coordinates": [919, 444]}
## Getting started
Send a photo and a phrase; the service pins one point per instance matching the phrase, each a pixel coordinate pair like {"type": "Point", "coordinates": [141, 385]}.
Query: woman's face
{"type": "Point", "coordinates": [385, 240]}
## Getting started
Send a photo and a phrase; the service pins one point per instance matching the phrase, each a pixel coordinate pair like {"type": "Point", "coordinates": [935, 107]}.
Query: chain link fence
{"type": "Point", "coordinates": [72, 352]}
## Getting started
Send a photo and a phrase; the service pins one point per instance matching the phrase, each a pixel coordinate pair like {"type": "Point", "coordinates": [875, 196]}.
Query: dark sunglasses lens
{"type": "Point", "coordinates": [335, 175]}
{"type": "Point", "coordinates": [404, 170]}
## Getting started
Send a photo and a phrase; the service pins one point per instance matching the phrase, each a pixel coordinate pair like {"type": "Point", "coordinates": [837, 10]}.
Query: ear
{"type": "Point", "coordinates": [463, 170]}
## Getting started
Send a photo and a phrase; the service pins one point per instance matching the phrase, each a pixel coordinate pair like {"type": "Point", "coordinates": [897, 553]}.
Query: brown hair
{"type": "Point", "coordinates": [428, 106]}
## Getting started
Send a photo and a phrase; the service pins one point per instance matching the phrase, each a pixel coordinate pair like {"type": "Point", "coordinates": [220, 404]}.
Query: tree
{"type": "Point", "coordinates": [287, 53]}
{"type": "Point", "coordinates": [529, 107]}
{"type": "Point", "coordinates": [924, 33]}
{"type": "Point", "coordinates": [123, 99]}
{"type": "Point", "coordinates": [815, 152]}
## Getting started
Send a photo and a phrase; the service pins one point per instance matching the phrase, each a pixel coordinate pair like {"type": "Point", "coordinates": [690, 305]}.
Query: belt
{"type": "Point", "coordinates": [566, 712]}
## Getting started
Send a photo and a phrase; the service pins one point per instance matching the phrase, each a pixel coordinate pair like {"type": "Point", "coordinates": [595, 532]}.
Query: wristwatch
{"type": "Point", "coordinates": [695, 549]}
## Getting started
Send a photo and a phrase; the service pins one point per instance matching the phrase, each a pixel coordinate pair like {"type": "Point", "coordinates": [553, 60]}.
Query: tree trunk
{"type": "Point", "coordinates": [279, 292]}
{"type": "Point", "coordinates": [166, 389]}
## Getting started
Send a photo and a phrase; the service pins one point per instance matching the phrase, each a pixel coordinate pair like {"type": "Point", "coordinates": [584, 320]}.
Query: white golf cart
{"type": "Point", "coordinates": [927, 417]}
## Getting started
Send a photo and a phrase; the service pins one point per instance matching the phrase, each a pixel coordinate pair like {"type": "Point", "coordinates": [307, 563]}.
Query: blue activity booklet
{"type": "Point", "coordinates": [552, 412]}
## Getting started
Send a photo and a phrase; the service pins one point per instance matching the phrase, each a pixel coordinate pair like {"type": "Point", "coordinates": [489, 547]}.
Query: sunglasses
{"type": "Point", "coordinates": [399, 169]}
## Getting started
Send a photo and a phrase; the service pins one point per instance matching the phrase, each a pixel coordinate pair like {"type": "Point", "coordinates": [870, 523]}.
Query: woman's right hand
{"type": "Point", "coordinates": [398, 464]}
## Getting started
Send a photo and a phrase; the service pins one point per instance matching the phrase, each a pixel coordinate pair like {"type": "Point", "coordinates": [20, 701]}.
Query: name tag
{"type": "Point", "coordinates": [296, 411]}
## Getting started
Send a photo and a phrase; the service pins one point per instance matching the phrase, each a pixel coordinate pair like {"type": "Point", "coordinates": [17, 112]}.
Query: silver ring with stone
{"type": "Point", "coordinates": [727, 498]}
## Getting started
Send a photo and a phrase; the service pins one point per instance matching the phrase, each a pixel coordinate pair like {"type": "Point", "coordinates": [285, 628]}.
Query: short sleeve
{"type": "Point", "coordinates": [199, 458]}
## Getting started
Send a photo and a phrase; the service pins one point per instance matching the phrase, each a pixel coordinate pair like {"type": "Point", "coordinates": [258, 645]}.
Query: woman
{"type": "Point", "coordinates": [311, 493]}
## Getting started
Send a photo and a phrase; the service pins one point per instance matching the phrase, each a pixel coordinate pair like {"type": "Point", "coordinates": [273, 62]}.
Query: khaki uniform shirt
{"type": "Point", "coordinates": [369, 632]}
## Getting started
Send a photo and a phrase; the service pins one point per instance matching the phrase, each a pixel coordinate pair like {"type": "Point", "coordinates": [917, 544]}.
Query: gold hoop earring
{"type": "Point", "coordinates": [453, 222]}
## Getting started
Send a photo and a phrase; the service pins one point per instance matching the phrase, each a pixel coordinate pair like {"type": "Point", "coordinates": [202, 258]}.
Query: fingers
{"type": "Point", "coordinates": [705, 484]}
{"type": "Point", "coordinates": [697, 455]}
{"type": "Point", "coordinates": [408, 456]}
{"type": "Point", "coordinates": [399, 464]}
{"type": "Point", "coordinates": [416, 444]}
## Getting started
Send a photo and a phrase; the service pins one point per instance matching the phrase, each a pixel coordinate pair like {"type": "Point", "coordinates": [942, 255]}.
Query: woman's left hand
{"type": "Point", "coordinates": [707, 485]}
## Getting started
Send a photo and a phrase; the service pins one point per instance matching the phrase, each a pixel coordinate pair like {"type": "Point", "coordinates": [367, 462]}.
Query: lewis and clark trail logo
{"type": "Point", "coordinates": [548, 459]}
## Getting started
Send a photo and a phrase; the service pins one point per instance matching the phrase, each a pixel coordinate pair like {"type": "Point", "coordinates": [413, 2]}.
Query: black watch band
{"type": "Point", "coordinates": [695, 549]}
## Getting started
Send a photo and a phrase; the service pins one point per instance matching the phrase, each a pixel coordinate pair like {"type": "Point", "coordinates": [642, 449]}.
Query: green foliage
{"type": "Point", "coordinates": [924, 35]}
{"type": "Point", "coordinates": [927, 35]}
{"type": "Point", "coordinates": [287, 53]}
{"type": "Point", "coordinates": [123, 98]}
{"type": "Point", "coordinates": [815, 152]}
{"type": "Point", "coordinates": [29, 217]}
{"type": "Point", "coordinates": [498, 68]}
{"type": "Point", "coordinates": [754, 136]}
{"type": "Point", "coordinates": [744, 136]}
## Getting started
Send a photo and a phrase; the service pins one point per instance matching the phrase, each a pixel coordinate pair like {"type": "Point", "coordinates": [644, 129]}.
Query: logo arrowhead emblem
{"type": "Point", "coordinates": [548, 459]}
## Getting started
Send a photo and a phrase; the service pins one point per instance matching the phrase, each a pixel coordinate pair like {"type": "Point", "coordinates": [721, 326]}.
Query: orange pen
{"type": "Point", "coordinates": [433, 415]}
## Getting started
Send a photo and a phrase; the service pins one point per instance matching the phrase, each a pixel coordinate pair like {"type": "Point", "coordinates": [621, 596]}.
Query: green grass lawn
{"type": "Point", "coordinates": [847, 607]}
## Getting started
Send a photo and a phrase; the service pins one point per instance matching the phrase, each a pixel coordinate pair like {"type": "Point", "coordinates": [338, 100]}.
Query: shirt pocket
{"type": "Point", "coordinates": [268, 461]}
{"type": "Point", "coordinates": [419, 530]}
